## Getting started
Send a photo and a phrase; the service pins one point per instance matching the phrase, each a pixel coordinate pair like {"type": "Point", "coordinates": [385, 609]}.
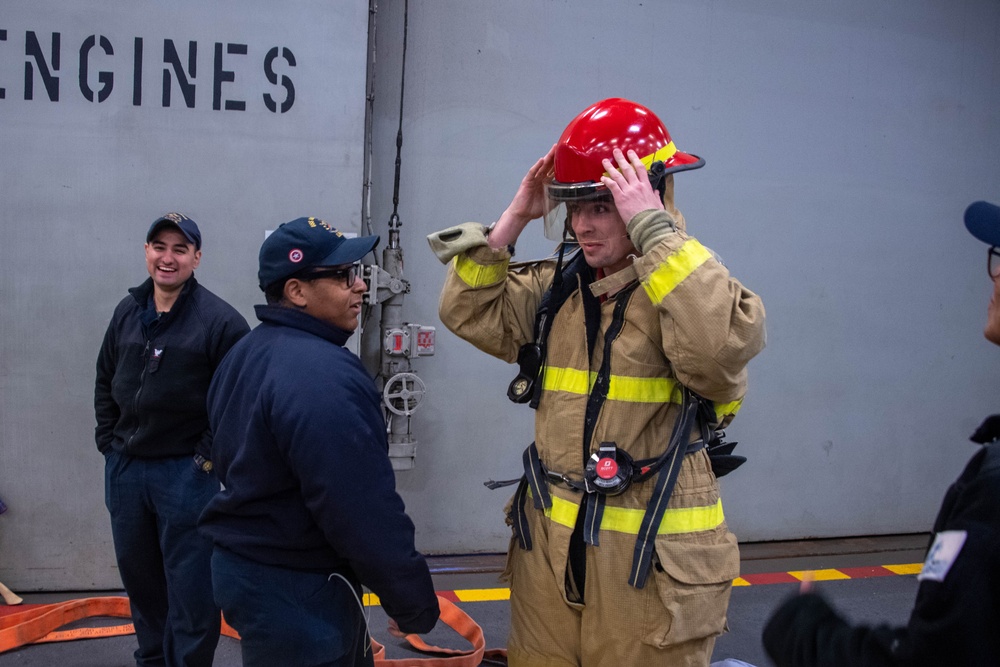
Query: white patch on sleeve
{"type": "Point", "coordinates": [945, 549]}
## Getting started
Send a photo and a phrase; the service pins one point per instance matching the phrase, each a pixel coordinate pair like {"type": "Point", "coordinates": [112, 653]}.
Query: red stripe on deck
{"type": "Point", "coordinates": [448, 595]}
{"type": "Point", "coordinates": [866, 572]}
{"type": "Point", "coordinates": [770, 578]}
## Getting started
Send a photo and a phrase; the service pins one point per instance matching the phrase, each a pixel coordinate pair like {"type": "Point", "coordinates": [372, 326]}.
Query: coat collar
{"type": "Point", "coordinates": [289, 317]}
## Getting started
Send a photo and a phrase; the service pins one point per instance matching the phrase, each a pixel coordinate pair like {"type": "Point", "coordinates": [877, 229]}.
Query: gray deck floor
{"type": "Point", "coordinates": [870, 599]}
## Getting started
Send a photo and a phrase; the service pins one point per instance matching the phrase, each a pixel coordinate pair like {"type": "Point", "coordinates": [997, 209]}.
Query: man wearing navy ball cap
{"type": "Point", "coordinates": [957, 612]}
{"type": "Point", "coordinates": [309, 512]}
{"type": "Point", "coordinates": [982, 219]}
{"type": "Point", "coordinates": [159, 352]}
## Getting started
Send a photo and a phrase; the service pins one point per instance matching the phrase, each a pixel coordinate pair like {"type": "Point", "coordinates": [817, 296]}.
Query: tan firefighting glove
{"type": "Point", "coordinates": [453, 241]}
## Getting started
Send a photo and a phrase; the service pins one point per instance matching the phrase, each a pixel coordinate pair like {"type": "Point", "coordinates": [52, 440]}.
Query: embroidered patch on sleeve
{"type": "Point", "coordinates": [942, 555]}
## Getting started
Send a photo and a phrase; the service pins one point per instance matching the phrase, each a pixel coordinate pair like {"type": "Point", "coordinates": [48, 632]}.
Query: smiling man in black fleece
{"type": "Point", "coordinates": [164, 342]}
{"type": "Point", "coordinates": [309, 511]}
{"type": "Point", "coordinates": [956, 617]}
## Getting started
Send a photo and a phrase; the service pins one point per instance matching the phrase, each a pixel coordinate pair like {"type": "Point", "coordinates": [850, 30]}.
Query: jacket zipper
{"type": "Point", "coordinates": [135, 399]}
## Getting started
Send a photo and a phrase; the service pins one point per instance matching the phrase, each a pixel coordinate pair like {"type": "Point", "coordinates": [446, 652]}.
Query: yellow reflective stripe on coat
{"type": "Point", "coordinates": [675, 269]}
{"type": "Point", "coordinates": [479, 275]}
{"type": "Point", "coordinates": [677, 520]}
{"type": "Point", "coordinates": [621, 388]}
{"type": "Point", "coordinates": [570, 380]}
{"type": "Point", "coordinates": [644, 390]}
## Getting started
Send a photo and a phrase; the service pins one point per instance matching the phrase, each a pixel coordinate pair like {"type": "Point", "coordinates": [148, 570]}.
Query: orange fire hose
{"type": "Point", "coordinates": [40, 624]}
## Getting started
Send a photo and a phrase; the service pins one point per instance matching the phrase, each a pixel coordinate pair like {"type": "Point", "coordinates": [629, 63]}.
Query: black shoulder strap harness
{"type": "Point", "coordinates": [610, 470]}
{"type": "Point", "coordinates": [525, 388]}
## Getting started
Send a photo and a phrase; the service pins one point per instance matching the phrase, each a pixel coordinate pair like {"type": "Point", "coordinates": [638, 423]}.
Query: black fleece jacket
{"type": "Point", "coordinates": [954, 622]}
{"type": "Point", "coordinates": [300, 447]}
{"type": "Point", "coordinates": [153, 372]}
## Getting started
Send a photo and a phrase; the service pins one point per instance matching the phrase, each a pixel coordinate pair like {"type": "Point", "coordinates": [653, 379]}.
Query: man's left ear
{"type": "Point", "coordinates": [294, 294]}
{"type": "Point", "coordinates": [197, 258]}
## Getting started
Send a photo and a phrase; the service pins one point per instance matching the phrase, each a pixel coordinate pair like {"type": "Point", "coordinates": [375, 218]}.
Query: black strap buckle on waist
{"type": "Point", "coordinates": [534, 478]}
{"type": "Point", "coordinates": [666, 467]}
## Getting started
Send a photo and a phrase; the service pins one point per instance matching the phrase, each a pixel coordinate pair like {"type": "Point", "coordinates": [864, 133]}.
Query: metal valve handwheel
{"type": "Point", "coordinates": [402, 393]}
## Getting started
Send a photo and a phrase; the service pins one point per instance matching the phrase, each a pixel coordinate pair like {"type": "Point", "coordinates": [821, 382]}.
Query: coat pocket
{"type": "Point", "coordinates": [693, 579]}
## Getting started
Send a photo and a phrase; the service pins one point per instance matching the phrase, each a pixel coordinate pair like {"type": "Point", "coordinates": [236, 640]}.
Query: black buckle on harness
{"type": "Point", "coordinates": [529, 361]}
{"type": "Point", "coordinates": [720, 454]}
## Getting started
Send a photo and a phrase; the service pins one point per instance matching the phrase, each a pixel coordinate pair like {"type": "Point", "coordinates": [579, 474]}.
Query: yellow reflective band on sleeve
{"type": "Point", "coordinates": [675, 269]}
{"type": "Point", "coordinates": [677, 520]}
{"type": "Point", "coordinates": [723, 409]}
{"type": "Point", "coordinates": [479, 275]}
{"type": "Point", "coordinates": [571, 380]}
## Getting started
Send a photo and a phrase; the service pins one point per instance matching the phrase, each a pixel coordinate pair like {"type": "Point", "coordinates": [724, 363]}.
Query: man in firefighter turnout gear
{"type": "Point", "coordinates": [632, 346]}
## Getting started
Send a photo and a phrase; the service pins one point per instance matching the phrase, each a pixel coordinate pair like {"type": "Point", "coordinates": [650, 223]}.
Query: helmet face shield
{"type": "Point", "coordinates": [560, 199]}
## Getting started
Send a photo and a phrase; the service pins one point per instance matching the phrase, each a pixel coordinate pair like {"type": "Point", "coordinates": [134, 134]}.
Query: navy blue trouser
{"type": "Point", "coordinates": [165, 564]}
{"type": "Point", "coordinates": [289, 617]}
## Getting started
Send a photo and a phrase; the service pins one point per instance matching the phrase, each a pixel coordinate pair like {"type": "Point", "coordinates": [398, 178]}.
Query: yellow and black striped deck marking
{"type": "Point", "coordinates": [795, 576]}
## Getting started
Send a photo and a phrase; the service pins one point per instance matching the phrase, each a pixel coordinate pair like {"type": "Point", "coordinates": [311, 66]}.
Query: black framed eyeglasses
{"type": "Point", "coordinates": [349, 274]}
{"type": "Point", "coordinates": [993, 262]}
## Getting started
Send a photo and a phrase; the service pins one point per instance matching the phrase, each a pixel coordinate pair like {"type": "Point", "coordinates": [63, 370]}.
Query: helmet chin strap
{"type": "Point", "coordinates": [657, 177]}
{"type": "Point", "coordinates": [557, 280]}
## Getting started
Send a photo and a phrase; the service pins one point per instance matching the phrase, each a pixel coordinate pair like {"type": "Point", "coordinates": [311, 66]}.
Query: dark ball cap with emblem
{"type": "Point", "coordinates": [181, 223]}
{"type": "Point", "coordinates": [982, 219]}
{"type": "Point", "coordinates": [306, 243]}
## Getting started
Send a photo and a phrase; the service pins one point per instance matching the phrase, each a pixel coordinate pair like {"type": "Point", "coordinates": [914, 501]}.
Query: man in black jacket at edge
{"type": "Point", "coordinates": [309, 510]}
{"type": "Point", "coordinates": [159, 353]}
{"type": "Point", "coordinates": [956, 617]}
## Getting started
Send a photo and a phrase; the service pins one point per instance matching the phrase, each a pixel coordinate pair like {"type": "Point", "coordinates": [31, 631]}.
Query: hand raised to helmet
{"type": "Point", "coordinates": [527, 205]}
{"type": "Point", "coordinates": [629, 185]}
{"type": "Point", "coordinates": [529, 201]}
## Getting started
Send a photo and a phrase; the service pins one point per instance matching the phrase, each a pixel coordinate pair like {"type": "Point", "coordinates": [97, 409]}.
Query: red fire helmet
{"type": "Point", "coordinates": [596, 132]}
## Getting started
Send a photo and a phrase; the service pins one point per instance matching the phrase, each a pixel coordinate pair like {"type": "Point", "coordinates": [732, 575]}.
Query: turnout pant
{"type": "Point", "coordinates": [673, 620]}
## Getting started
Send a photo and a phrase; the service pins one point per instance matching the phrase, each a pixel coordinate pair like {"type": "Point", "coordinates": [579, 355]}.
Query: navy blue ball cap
{"type": "Point", "coordinates": [982, 219]}
{"type": "Point", "coordinates": [306, 243]}
{"type": "Point", "coordinates": [179, 221]}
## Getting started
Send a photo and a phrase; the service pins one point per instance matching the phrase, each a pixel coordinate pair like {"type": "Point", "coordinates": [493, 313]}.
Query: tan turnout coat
{"type": "Point", "coordinates": [687, 322]}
